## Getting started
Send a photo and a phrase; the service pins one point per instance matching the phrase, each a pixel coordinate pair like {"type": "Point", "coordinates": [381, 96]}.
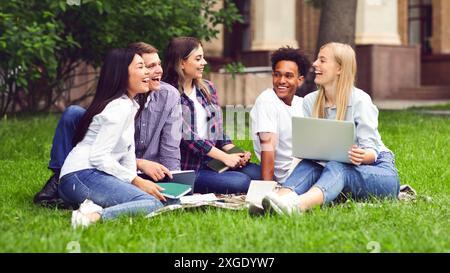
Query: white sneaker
{"type": "Point", "coordinates": [80, 218]}
{"type": "Point", "coordinates": [89, 207]}
{"type": "Point", "coordinates": [284, 205]}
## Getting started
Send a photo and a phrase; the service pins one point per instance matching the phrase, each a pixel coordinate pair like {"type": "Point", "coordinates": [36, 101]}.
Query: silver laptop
{"type": "Point", "coordinates": [322, 139]}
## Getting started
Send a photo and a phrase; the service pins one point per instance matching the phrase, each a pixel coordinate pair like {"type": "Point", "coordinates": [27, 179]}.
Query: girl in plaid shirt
{"type": "Point", "coordinates": [203, 135]}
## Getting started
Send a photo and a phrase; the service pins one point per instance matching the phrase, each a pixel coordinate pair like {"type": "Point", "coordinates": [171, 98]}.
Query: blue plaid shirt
{"type": "Point", "coordinates": [193, 148]}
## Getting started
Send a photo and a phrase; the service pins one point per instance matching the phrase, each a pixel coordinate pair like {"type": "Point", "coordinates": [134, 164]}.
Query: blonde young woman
{"type": "Point", "coordinates": [372, 172]}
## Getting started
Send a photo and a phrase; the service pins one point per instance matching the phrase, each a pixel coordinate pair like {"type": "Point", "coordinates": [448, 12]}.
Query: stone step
{"type": "Point", "coordinates": [422, 93]}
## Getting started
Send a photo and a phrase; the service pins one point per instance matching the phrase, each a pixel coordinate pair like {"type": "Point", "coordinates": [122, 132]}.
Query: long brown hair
{"type": "Point", "coordinates": [179, 49]}
{"type": "Point", "coordinates": [344, 55]}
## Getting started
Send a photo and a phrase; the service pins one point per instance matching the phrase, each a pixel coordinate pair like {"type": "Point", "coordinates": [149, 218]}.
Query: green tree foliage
{"type": "Point", "coordinates": [28, 43]}
{"type": "Point", "coordinates": [43, 41]}
{"type": "Point", "coordinates": [234, 68]}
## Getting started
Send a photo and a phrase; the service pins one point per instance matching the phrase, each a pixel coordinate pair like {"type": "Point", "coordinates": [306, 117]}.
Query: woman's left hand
{"type": "Point", "coordinates": [356, 155]}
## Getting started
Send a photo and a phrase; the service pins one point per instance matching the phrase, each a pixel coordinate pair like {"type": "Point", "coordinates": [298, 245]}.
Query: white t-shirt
{"type": "Point", "coordinates": [272, 115]}
{"type": "Point", "coordinates": [200, 115]}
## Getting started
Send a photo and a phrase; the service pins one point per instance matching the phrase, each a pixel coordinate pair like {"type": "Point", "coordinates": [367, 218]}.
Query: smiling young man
{"type": "Point", "coordinates": [157, 131]}
{"type": "Point", "coordinates": [271, 115]}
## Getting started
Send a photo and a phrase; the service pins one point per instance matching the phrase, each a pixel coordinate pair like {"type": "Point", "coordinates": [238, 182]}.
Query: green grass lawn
{"type": "Point", "coordinates": [420, 142]}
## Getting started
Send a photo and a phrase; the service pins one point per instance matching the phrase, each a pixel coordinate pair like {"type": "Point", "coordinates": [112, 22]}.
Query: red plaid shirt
{"type": "Point", "coordinates": [194, 148]}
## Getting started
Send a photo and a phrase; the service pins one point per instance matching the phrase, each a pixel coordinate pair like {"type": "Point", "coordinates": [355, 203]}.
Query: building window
{"type": "Point", "coordinates": [420, 19]}
{"type": "Point", "coordinates": [238, 40]}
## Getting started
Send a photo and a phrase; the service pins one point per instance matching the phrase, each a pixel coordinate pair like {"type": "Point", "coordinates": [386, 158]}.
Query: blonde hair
{"type": "Point", "coordinates": [344, 55]}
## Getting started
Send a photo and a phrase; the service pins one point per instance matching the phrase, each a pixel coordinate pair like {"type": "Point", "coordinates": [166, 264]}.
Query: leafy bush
{"type": "Point", "coordinates": [42, 42]}
{"type": "Point", "coordinates": [234, 68]}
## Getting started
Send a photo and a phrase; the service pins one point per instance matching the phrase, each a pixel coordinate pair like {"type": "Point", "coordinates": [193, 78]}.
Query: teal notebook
{"type": "Point", "coordinates": [219, 166]}
{"type": "Point", "coordinates": [174, 190]}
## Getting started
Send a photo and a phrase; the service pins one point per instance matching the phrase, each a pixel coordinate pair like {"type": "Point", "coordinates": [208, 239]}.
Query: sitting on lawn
{"type": "Point", "coordinates": [100, 171]}
{"type": "Point", "coordinates": [273, 110]}
{"type": "Point", "coordinates": [158, 130]}
{"type": "Point", "coordinates": [372, 172]}
{"type": "Point", "coordinates": [203, 137]}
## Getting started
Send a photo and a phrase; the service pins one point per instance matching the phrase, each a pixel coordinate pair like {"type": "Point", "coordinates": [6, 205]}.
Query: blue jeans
{"type": "Point", "coordinates": [379, 179]}
{"type": "Point", "coordinates": [233, 181]}
{"type": "Point", "coordinates": [115, 196]}
{"type": "Point", "coordinates": [62, 140]}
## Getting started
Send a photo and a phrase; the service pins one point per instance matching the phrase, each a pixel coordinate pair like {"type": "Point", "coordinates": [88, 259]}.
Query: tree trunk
{"type": "Point", "coordinates": [337, 24]}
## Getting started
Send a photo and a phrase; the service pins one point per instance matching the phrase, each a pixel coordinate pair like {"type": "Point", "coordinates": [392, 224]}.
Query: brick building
{"type": "Point", "coordinates": [403, 46]}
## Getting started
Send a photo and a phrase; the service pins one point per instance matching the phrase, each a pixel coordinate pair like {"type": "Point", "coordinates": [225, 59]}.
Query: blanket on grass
{"type": "Point", "coordinates": [237, 202]}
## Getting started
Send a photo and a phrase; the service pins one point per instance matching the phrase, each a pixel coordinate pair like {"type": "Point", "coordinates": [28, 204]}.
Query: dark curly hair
{"type": "Point", "coordinates": [294, 55]}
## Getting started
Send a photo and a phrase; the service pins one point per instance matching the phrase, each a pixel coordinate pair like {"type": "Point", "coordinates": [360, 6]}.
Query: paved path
{"type": "Point", "coordinates": [404, 104]}
{"type": "Point", "coordinates": [437, 112]}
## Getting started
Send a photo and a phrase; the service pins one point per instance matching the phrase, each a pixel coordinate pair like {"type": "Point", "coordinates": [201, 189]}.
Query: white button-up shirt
{"type": "Point", "coordinates": [108, 145]}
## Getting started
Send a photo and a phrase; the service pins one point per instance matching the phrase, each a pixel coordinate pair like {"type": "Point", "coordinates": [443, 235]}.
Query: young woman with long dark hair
{"type": "Point", "coordinates": [100, 171]}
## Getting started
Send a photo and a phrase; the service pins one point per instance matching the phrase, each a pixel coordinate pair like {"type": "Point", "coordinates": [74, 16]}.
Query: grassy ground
{"type": "Point", "coordinates": [422, 156]}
